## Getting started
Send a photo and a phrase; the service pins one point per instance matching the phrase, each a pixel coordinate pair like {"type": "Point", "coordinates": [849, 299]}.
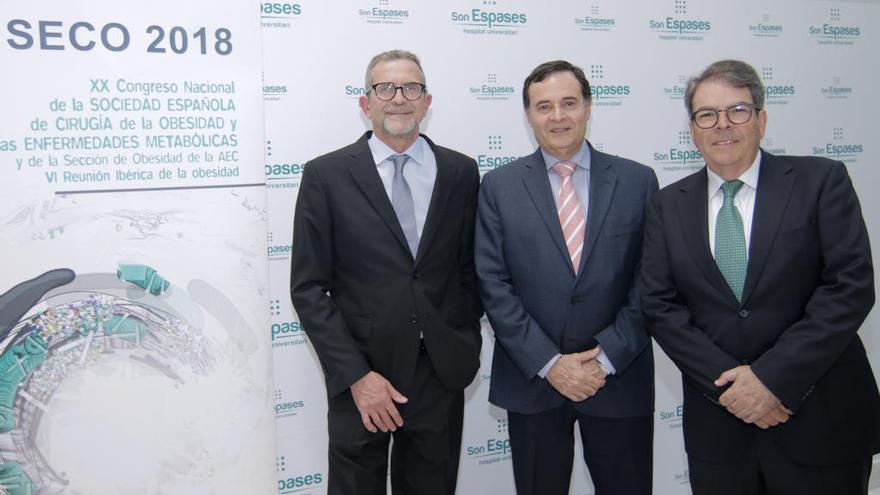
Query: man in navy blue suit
{"type": "Point", "coordinates": [558, 244]}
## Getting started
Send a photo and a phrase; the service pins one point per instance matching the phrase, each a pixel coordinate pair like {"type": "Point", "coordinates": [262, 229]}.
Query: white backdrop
{"type": "Point", "coordinates": [815, 58]}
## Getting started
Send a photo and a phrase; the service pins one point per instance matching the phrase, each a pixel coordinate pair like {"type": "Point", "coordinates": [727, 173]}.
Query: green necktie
{"type": "Point", "coordinates": [730, 240]}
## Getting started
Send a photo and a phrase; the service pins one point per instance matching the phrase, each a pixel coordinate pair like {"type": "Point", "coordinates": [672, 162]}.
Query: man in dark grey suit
{"type": "Point", "coordinates": [383, 280]}
{"type": "Point", "coordinates": [558, 244]}
{"type": "Point", "coordinates": [756, 276]}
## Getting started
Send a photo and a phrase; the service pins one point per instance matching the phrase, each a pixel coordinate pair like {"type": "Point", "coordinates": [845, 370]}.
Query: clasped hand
{"type": "Point", "coordinates": [750, 400]}
{"type": "Point", "coordinates": [577, 376]}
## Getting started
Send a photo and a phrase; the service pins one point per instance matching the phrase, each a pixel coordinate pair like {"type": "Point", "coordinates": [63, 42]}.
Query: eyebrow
{"type": "Point", "coordinates": [706, 107]}
{"type": "Point", "coordinates": [564, 99]}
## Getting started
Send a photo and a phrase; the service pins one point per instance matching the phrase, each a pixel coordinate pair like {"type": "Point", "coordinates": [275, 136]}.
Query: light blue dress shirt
{"type": "Point", "coordinates": [581, 182]}
{"type": "Point", "coordinates": [420, 173]}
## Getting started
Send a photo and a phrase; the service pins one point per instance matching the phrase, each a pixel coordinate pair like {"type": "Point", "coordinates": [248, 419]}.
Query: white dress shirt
{"type": "Point", "coordinates": [744, 200]}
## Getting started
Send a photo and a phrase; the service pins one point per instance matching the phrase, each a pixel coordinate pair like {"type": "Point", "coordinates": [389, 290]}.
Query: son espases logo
{"type": "Point", "coordinates": [383, 15]}
{"type": "Point", "coordinates": [609, 94]}
{"type": "Point", "coordinates": [494, 156]}
{"type": "Point", "coordinates": [594, 22]}
{"type": "Point", "coordinates": [284, 170]}
{"type": "Point", "coordinates": [765, 28]}
{"type": "Point", "coordinates": [672, 417]}
{"type": "Point", "coordinates": [286, 330]}
{"type": "Point", "coordinates": [273, 9]}
{"type": "Point", "coordinates": [779, 94]}
{"type": "Point", "coordinates": [769, 145]}
{"type": "Point", "coordinates": [492, 451]}
{"type": "Point", "coordinates": [489, 22]}
{"type": "Point", "coordinates": [354, 91]}
{"type": "Point", "coordinates": [839, 148]}
{"type": "Point", "coordinates": [677, 27]}
{"type": "Point", "coordinates": [297, 483]}
{"type": "Point", "coordinates": [836, 90]}
{"type": "Point", "coordinates": [492, 89]}
{"type": "Point", "coordinates": [776, 93]}
{"type": "Point", "coordinates": [285, 408]}
{"type": "Point", "coordinates": [603, 92]}
{"type": "Point", "coordinates": [677, 89]}
{"type": "Point", "coordinates": [274, 92]}
{"type": "Point", "coordinates": [834, 31]}
{"type": "Point", "coordinates": [680, 157]}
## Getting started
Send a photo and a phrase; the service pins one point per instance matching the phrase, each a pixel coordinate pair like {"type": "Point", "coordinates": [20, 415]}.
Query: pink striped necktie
{"type": "Point", "coordinates": [571, 213]}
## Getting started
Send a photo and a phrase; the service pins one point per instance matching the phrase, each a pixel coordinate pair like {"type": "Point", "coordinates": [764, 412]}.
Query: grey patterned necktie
{"type": "Point", "coordinates": [402, 201]}
{"type": "Point", "coordinates": [730, 240]}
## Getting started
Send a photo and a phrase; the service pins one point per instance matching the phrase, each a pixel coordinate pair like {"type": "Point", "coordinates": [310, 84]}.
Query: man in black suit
{"type": "Point", "coordinates": [382, 278]}
{"type": "Point", "coordinates": [756, 276]}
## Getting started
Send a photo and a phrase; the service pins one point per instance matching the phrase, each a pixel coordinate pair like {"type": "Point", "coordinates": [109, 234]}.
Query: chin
{"type": "Point", "coordinates": [399, 130]}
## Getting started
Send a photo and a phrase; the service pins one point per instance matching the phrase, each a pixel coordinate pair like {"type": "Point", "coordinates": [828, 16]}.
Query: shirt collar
{"type": "Point", "coordinates": [581, 158]}
{"type": "Point", "coordinates": [749, 177]}
{"type": "Point", "coordinates": [382, 151]}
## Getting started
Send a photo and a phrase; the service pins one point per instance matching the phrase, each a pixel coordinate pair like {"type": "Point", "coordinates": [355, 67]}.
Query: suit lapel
{"type": "Point", "coordinates": [693, 212]}
{"type": "Point", "coordinates": [538, 187]}
{"type": "Point", "coordinates": [363, 171]}
{"type": "Point", "coordinates": [603, 182]}
{"type": "Point", "coordinates": [775, 182]}
{"type": "Point", "coordinates": [443, 185]}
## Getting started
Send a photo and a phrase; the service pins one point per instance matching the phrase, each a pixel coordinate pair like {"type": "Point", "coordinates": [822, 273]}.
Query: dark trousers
{"type": "Point", "coordinates": [425, 451]}
{"type": "Point", "coordinates": [766, 470]}
{"type": "Point", "coordinates": [618, 452]}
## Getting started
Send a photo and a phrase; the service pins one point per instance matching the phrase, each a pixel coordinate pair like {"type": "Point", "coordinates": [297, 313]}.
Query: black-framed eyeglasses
{"type": "Point", "coordinates": [707, 118]}
{"type": "Point", "coordinates": [385, 91]}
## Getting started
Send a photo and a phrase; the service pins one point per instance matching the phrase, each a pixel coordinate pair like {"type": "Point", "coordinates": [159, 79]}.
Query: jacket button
{"type": "Point", "coordinates": [744, 313]}
{"type": "Point", "coordinates": [416, 275]}
{"type": "Point", "coordinates": [576, 300]}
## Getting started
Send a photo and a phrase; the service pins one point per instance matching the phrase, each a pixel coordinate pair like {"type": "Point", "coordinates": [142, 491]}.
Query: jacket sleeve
{"type": "Point", "coordinates": [311, 280]}
{"type": "Point", "coordinates": [844, 295]}
{"type": "Point", "coordinates": [626, 338]}
{"type": "Point", "coordinates": [520, 336]}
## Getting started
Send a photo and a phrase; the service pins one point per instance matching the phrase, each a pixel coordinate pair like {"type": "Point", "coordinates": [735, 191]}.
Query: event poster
{"type": "Point", "coordinates": [134, 331]}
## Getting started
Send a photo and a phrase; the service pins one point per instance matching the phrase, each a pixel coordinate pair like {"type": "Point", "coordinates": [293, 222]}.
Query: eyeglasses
{"type": "Point", "coordinates": [385, 91]}
{"type": "Point", "coordinates": [707, 118]}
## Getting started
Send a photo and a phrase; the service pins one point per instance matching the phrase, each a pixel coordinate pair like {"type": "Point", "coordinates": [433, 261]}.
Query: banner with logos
{"type": "Point", "coordinates": [815, 59]}
{"type": "Point", "coordinates": [133, 291]}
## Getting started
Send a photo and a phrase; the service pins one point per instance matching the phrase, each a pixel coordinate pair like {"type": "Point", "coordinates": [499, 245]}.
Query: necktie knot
{"type": "Point", "coordinates": [564, 169]}
{"type": "Point", "coordinates": [399, 161]}
{"type": "Point", "coordinates": [730, 188]}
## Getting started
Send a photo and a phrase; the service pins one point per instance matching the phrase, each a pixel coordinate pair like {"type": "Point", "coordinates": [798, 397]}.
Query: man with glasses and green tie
{"type": "Point", "coordinates": [756, 277]}
{"type": "Point", "coordinates": [382, 278]}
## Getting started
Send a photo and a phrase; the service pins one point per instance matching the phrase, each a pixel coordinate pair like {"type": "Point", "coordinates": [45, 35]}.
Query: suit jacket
{"type": "Point", "coordinates": [362, 298]}
{"type": "Point", "coordinates": [809, 285]}
{"type": "Point", "coordinates": [536, 304]}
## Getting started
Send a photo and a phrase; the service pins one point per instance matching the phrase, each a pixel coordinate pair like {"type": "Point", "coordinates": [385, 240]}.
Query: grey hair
{"type": "Point", "coordinates": [388, 56]}
{"type": "Point", "coordinates": [733, 72]}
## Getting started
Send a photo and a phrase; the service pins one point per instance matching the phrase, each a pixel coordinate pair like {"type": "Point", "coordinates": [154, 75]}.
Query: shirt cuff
{"type": "Point", "coordinates": [546, 369]}
{"type": "Point", "coordinates": [606, 363]}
